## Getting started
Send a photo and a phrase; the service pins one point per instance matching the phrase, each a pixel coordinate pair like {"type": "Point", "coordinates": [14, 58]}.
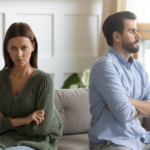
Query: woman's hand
{"type": "Point", "coordinates": [1, 114]}
{"type": "Point", "coordinates": [37, 116]}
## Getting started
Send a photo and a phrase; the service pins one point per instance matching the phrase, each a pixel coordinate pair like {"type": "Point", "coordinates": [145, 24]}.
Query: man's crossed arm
{"type": "Point", "coordinates": [143, 107]}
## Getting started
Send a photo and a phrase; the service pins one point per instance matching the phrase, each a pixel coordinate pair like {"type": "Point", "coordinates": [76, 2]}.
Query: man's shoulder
{"type": "Point", "coordinates": [138, 65]}
{"type": "Point", "coordinates": [107, 58]}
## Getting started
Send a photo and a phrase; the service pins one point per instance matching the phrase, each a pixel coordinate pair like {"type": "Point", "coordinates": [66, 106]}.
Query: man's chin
{"type": "Point", "coordinates": [132, 50]}
{"type": "Point", "coordinates": [135, 51]}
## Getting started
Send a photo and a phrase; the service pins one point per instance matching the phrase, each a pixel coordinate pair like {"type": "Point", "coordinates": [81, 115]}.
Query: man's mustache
{"type": "Point", "coordinates": [137, 41]}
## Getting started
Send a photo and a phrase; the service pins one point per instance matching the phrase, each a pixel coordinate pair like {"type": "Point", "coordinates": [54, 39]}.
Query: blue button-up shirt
{"type": "Point", "coordinates": [112, 81]}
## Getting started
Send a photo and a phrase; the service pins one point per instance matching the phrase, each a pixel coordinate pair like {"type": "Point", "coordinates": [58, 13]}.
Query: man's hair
{"type": "Point", "coordinates": [115, 22]}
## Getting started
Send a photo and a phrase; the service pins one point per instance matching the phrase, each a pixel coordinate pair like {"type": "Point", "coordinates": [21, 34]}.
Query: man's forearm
{"type": "Point", "coordinates": [143, 107]}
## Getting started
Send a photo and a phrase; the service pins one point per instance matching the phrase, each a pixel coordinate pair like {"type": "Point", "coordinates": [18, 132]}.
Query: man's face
{"type": "Point", "coordinates": [130, 37]}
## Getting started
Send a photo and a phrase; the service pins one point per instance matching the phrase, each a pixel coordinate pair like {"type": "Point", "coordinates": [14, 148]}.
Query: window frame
{"type": "Point", "coordinates": [144, 31]}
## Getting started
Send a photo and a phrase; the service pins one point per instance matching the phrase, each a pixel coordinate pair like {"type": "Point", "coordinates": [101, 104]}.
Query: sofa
{"type": "Point", "coordinates": [74, 109]}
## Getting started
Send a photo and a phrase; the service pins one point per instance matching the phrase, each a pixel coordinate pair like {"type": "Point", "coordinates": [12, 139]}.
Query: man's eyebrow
{"type": "Point", "coordinates": [132, 29]}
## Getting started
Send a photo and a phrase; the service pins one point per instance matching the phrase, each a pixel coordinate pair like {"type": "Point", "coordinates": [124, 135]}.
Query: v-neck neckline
{"type": "Point", "coordinates": [28, 81]}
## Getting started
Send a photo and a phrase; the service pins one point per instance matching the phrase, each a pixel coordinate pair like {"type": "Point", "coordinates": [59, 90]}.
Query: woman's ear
{"type": "Point", "coordinates": [33, 46]}
{"type": "Point", "coordinates": [116, 36]}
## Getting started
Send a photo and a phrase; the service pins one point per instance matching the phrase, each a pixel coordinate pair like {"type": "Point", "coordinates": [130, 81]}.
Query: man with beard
{"type": "Point", "coordinates": [119, 90]}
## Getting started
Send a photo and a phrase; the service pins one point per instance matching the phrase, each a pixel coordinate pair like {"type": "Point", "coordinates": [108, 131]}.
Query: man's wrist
{"type": "Point", "coordinates": [132, 101]}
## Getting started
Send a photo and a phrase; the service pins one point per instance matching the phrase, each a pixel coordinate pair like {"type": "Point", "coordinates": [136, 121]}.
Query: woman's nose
{"type": "Point", "coordinates": [19, 52]}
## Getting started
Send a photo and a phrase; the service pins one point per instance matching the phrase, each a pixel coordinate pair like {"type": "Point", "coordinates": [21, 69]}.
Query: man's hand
{"type": "Point", "coordinates": [1, 114]}
{"type": "Point", "coordinates": [106, 107]}
{"type": "Point", "coordinates": [142, 106]}
{"type": "Point", "coordinates": [136, 114]}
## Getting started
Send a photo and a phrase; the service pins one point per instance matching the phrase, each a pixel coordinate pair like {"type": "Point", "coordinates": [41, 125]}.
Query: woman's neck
{"type": "Point", "coordinates": [22, 71]}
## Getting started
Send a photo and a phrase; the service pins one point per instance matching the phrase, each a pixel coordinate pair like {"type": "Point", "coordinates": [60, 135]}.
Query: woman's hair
{"type": "Point", "coordinates": [115, 22]}
{"type": "Point", "coordinates": [15, 30]}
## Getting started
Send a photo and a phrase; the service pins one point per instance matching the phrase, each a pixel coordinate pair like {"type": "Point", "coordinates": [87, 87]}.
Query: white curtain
{"type": "Point", "coordinates": [141, 8]}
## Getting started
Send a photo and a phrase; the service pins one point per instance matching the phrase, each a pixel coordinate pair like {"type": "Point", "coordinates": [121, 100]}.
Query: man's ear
{"type": "Point", "coordinates": [116, 36]}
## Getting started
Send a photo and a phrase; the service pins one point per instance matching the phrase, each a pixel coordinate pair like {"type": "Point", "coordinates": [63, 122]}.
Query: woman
{"type": "Point", "coordinates": [28, 117]}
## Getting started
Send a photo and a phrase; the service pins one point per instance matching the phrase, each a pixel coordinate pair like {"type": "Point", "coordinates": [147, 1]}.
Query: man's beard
{"type": "Point", "coordinates": [130, 47]}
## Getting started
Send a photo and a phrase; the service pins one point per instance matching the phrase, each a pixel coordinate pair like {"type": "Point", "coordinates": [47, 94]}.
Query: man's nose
{"type": "Point", "coordinates": [138, 36]}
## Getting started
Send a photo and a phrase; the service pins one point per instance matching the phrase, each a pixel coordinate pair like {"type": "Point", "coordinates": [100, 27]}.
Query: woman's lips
{"type": "Point", "coordinates": [19, 60]}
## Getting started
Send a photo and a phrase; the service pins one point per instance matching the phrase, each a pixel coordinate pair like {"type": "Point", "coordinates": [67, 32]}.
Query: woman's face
{"type": "Point", "coordinates": [20, 49]}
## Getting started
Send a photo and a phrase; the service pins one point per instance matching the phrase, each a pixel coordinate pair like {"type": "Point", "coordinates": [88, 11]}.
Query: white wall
{"type": "Point", "coordinates": [67, 31]}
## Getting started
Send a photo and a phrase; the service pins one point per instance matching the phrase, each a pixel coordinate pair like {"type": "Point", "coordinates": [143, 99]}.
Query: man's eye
{"type": "Point", "coordinates": [131, 31]}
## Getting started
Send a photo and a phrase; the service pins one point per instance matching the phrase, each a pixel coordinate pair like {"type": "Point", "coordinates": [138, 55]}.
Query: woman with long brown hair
{"type": "Point", "coordinates": [28, 117]}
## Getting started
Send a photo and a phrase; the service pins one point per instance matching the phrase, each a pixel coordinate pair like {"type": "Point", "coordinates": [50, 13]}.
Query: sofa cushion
{"type": "Point", "coordinates": [146, 124]}
{"type": "Point", "coordinates": [74, 109]}
{"type": "Point", "coordinates": [74, 142]}
{"type": "Point", "coordinates": [140, 117]}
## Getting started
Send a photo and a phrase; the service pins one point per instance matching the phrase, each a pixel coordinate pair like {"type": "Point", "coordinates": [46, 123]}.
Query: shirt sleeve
{"type": "Point", "coordinates": [107, 81]}
{"type": "Point", "coordinates": [147, 88]}
{"type": "Point", "coordinates": [52, 123]}
{"type": "Point", "coordinates": [5, 124]}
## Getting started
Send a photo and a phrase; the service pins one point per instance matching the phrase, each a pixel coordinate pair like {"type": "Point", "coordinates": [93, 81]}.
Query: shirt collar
{"type": "Point", "coordinates": [121, 58]}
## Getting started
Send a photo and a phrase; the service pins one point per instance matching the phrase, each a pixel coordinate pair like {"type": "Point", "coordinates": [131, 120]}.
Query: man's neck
{"type": "Point", "coordinates": [122, 52]}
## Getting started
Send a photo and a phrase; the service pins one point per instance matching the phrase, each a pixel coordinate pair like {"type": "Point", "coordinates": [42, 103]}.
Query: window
{"type": "Point", "coordinates": [142, 10]}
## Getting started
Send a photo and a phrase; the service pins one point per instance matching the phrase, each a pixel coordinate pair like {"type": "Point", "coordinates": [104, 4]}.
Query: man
{"type": "Point", "coordinates": [119, 90]}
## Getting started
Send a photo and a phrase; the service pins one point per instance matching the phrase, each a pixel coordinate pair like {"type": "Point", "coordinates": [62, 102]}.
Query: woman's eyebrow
{"type": "Point", "coordinates": [15, 46]}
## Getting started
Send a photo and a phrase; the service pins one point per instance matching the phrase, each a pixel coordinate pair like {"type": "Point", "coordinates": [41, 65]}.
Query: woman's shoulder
{"type": "Point", "coordinates": [3, 71]}
{"type": "Point", "coordinates": [44, 76]}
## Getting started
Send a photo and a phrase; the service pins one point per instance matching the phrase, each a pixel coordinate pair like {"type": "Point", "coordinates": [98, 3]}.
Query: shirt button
{"type": "Point", "coordinates": [133, 125]}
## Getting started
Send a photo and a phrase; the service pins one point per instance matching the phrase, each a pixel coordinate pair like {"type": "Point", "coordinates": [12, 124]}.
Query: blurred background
{"type": "Point", "coordinates": [69, 32]}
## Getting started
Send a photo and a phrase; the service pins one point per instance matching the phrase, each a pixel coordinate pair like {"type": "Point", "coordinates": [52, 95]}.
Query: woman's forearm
{"type": "Point", "coordinates": [17, 122]}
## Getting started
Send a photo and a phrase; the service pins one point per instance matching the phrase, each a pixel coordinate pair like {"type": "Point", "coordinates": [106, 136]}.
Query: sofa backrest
{"type": "Point", "coordinates": [74, 109]}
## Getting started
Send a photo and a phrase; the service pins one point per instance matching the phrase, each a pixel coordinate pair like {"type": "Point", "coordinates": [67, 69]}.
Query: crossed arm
{"type": "Point", "coordinates": [107, 81]}
{"type": "Point", "coordinates": [37, 116]}
{"type": "Point", "coordinates": [142, 107]}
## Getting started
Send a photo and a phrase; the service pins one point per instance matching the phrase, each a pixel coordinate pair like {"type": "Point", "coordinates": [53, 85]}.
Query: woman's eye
{"type": "Point", "coordinates": [13, 48]}
{"type": "Point", "coordinates": [24, 47]}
